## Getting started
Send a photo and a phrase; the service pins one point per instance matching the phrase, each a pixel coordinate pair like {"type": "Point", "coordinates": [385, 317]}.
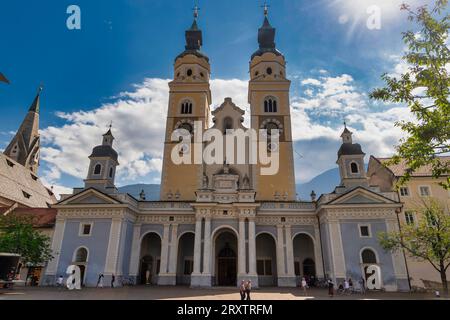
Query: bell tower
{"type": "Point", "coordinates": [189, 101]}
{"type": "Point", "coordinates": [268, 97]}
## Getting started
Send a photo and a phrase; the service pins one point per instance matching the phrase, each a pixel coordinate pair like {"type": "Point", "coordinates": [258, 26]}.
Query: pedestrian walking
{"type": "Point", "coordinates": [304, 285]}
{"type": "Point", "coordinates": [350, 284]}
{"type": "Point", "coordinates": [242, 289]}
{"type": "Point", "coordinates": [113, 279]}
{"type": "Point", "coordinates": [330, 288]}
{"type": "Point", "coordinates": [100, 281]}
{"type": "Point", "coordinates": [248, 289]}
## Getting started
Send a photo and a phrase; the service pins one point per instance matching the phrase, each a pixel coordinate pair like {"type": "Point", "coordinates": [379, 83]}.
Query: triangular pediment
{"type": "Point", "coordinates": [361, 196]}
{"type": "Point", "coordinates": [89, 196]}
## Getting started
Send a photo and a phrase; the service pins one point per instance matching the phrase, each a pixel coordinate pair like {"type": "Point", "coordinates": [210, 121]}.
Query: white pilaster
{"type": "Point", "coordinates": [318, 252]}
{"type": "Point", "coordinates": [289, 252]}
{"type": "Point", "coordinates": [165, 249]}
{"type": "Point", "coordinates": [58, 237]}
{"type": "Point", "coordinates": [252, 247]}
{"type": "Point", "coordinates": [113, 246]}
{"type": "Point", "coordinates": [241, 249]}
{"type": "Point", "coordinates": [173, 250]}
{"type": "Point", "coordinates": [135, 250]}
{"type": "Point", "coordinates": [207, 248]}
{"type": "Point", "coordinates": [337, 250]}
{"type": "Point", "coordinates": [197, 246]}
{"type": "Point", "coordinates": [397, 258]}
{"type": "Point", "coordinates": [280, 251]}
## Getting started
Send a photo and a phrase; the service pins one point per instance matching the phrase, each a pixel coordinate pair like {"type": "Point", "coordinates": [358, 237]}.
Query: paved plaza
{"type": "Point", "coordinates": [185, 293]}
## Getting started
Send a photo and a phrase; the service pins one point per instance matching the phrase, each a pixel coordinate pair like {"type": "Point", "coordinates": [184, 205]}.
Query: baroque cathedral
{"type": "Point", "coordinates": [216, 225]}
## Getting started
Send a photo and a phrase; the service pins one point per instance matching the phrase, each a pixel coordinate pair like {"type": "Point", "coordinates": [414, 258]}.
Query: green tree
{"type": "Point", "coordinates": [428, 240]}
{"type": "Point", "coordinates": [17, 235]}
{"type": "Point", "coordinates": [425, 89]}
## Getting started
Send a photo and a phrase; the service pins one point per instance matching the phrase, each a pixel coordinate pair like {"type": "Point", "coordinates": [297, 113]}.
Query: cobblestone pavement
{"type": "Point", "coordinates": [184, 293]}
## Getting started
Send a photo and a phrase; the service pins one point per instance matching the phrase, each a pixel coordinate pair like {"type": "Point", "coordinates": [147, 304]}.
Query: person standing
{"type": "Point", "coordinates": [248, 289]}
{"type": "Point", "coordinates": [362, 285]}
{"type": "Point", "coordinates": [350, 284]}
{"type": "Point", "coordinates": [59, 282]}
{"type": "Point", "coordinates": [100, 280]}
{"type": "Point", "coordinates": [346, 287]}
{"type": "Point", "coordinates": [113, 279]}
{"type": "Point", "coordinates": [330, 288]}
{"type": "Point", "coordinates": [242, 289]}
{"type": "Point", "coordinates": [304, 285]}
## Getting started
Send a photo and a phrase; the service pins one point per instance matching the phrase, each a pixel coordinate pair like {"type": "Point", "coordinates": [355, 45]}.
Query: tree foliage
{"type": "Point", "coordinates": [425, 89]}
{"type": "Point", "coordinates": [428, 240]}
{"type": "Point", "coordinates": [17, 235]}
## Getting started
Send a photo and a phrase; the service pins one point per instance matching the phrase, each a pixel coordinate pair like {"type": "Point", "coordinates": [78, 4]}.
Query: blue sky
{"type": "Point", "coordinates": [116, 66]}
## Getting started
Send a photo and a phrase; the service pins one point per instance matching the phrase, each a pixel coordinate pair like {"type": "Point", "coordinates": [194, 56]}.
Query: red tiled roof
{"type": "Point", "coordinates": [44, 217]}
{"type": "Point", "coordinates": [399, 169]}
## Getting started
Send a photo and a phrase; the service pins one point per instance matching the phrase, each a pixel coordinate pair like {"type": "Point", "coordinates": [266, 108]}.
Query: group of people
{"type": "Point", "coordinates": [60, 281]}
{"type": "Point", "coordinates": [346, 287]}
{"type": "Point", "coordinates": [245, 289]}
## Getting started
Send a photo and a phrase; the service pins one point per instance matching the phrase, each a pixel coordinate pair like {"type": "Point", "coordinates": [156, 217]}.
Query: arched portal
{"type": "Point", "coordinates": [304, 259]}
{"type": "Point", "coordinates": [226, 258]}
{"type": "Point", "coordinates": [150, 258]}
{"type": "Point", "coordinates": [185, 261]}
{"type": "Point", "coordinates": [266, 260]}
{"type": "Point", "coordinates": [80, 259]}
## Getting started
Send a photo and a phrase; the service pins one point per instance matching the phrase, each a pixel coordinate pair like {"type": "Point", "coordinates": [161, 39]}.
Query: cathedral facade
{"type": "Point", "coordinates": [218, 224]}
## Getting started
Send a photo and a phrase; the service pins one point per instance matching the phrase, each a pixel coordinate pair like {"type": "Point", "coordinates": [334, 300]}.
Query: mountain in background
{"type": "Point", "coordinates": [323, 183]}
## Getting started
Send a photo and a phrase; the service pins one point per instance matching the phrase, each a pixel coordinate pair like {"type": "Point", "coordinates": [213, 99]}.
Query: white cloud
{"type": "Point", "coordinates": [139, 119]}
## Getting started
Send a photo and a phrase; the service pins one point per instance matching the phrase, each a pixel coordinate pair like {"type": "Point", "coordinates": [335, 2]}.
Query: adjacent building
{"type": "Point", "coordinates": [413, 194]}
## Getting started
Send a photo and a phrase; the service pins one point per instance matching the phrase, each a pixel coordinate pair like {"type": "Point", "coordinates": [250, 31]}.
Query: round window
{"type": "Point", "coordinates": [189, 72]}
{"type": "Point", "coordinates": [269, 71]}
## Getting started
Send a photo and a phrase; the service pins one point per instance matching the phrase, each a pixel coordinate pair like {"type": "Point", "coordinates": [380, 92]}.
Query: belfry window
{"type": "Point", "coordinates": [354, 167]}
{"type": "Point", "coordinates": [98, 169]}
{"type": "Point", "coordinates": [186, 107]}
{"type": "Point", "coordinates": [111, 172]}
{"type": "Point", "coordinates": [270, 105]}
{"type": "Point", "coordinates": [227, 124]}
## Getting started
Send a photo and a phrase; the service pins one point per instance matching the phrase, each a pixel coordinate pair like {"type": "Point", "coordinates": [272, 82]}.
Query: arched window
{"type": "Point", "coordinates": [81, 255]}
{"type": "Point", "coordinates": [368, 256]}
{"type": "Point", "coordinates": [186, 107]}
{"type": "Point", "coordinates": [270, 105]}
{"type": "Point", "coordinates": [354, 167]}
{"type": "Point", "coordinates": [227, 124]}
{"type": "Point", "coordinates": [111, 172]}
{"type": "Point", "coordinates": [98, 169]}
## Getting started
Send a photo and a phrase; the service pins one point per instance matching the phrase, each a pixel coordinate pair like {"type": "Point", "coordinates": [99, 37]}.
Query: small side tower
{"type": "Point", "coordinates": [351, 162]}
{"type": "Point", "coordinates": [25, 146]}
{"type": "Point", "coordinates": [102, 168]}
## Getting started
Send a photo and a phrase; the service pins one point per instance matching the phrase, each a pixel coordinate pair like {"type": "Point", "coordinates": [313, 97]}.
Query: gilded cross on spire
{"type": "Point", "coordinates": [40, 88]}
{"type": "Point", "coordinates": [110, 125]}
{"type": "Point", "coordinates": [196, 9]}
{"type": "Point", "coordinates": [266, 8]}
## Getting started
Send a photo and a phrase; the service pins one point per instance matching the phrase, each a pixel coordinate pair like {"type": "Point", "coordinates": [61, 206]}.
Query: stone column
{"type": "Point", "coordinates": [173, 251]}
{"type": "Point", "coordinates": [164, 278]}
{"type": "Point", "coordinates": [318, 252]}
{"type": "Point", "coordinates": [52, 267]}
{"type": "Point", "coordinates": [280, 252]}
{"type": "Point", "coordinates": [207, 248]}
{"type": "Point", "coordinates": [289, 252]}
{"type": "Point", "coordinates": [135, 251]}
{"type": "Point", "coordinates": [252, 247]}
{"type": "Point", "coordinates": [241, 249]}
{"type": "Point", "coordinates": [197, 246]}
